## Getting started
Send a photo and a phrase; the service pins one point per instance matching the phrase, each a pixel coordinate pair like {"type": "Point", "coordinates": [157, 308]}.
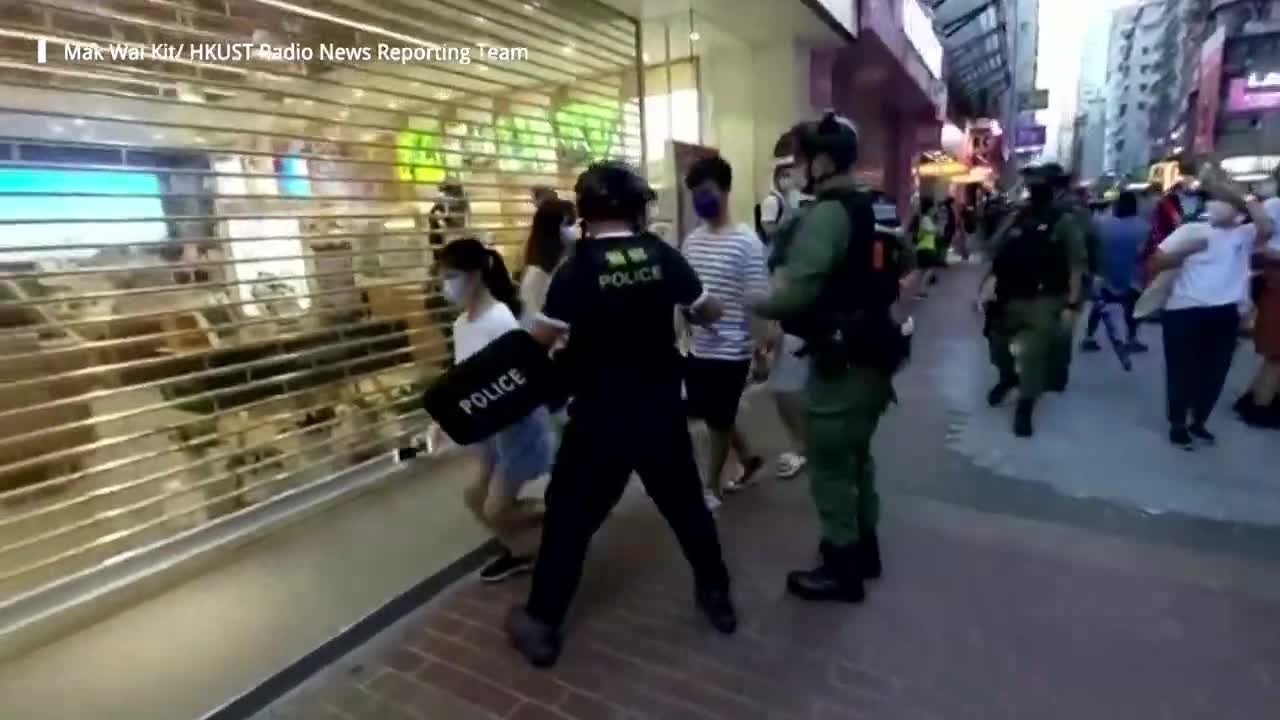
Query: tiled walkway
{"type": "Point", "coordinates": [1002, 599]}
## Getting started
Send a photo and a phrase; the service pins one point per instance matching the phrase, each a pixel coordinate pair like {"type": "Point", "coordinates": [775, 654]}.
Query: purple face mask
{"type": "Point", "coordinates": [706, 205]}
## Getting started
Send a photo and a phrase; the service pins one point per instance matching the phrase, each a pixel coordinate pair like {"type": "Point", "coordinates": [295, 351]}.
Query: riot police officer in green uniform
{"type": "Point", "coordinates": [838, 285]}
{"type": "Point", "coordinates": [1032, 293]}
{"type": "Point", "coordinates": [1079, 213]}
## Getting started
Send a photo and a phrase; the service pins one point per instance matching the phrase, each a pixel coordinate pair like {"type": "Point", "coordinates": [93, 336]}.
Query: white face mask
{"type": "Point", "coordinates": [454, 289]}
{"type": "Point", "coordinates": [1221, 213]}
{"type": "Point", "coordinates": [569, 234]}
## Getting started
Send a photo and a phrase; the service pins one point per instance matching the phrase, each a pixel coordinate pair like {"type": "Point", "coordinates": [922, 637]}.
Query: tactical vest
{"type": "Point", "coordinates": [851, 324]}
{"type": "Point", "coordinates": [1033, 261]}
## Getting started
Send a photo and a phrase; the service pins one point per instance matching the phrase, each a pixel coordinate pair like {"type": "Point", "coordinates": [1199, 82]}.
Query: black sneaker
{"type": "Point", "coordinates": [1181, 438]}
{"type": "Point", "coordinates": [504, 566]}
{"type": "Point", "coordinates": [1137, 347]}
{"type": "Point", "coordinates": [1089, 345]}
{"type": "Point", "coordinates": [537, 641]}
{"type": "Point", "coordinates": [1199, 432]}
{"type": "Point", "coordinates": [718, 607]}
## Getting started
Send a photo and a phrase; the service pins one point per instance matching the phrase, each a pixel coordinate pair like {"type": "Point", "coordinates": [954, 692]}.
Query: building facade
{"type": "Point", "coordinates": [1140, 82]}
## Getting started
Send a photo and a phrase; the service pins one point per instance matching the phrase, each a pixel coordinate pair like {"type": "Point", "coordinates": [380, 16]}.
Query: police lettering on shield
{"type": "Point", "coordinates": [506, 383]}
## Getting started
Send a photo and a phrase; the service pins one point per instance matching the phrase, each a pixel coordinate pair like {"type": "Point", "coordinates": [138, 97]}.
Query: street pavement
{"type": "Point", "coordinates": [1091, 571]}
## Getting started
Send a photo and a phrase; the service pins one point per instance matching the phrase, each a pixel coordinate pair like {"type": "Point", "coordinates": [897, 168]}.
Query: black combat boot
{"type": "Point", "coordinates": [869, 555]}
{"type": "Point", "coordinates": [1022, 418]}
{"type": "Point", "coordinates": [536, 640]}
{"type": "Point", "coordinates": [717, 606]}
{"type": "Point", "coordinates": [1001, 390]}
{"type": "Point", "coordinates": [838, 578]}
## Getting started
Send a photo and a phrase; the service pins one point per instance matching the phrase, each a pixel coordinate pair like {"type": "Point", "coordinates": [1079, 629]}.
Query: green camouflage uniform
{"type": "Point", "coordinates": [1034, 324]}
{"type": "Point", "coordinates": [844, 405]}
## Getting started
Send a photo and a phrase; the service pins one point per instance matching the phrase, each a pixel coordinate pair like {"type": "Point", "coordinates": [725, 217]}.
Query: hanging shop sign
{"type": "Point", "coordinates": [1244, 97]}
{"type": "Point", "coordinates": [944, 167]}
{"type": "Point", "coordinates": [1029, 138]}
{"type": "Point", "coordinates": [1262, 81]}
{"type": "Point", "coordinates": [1210, 83]}
{"type": "Point", "coordinates": [1031, 100]}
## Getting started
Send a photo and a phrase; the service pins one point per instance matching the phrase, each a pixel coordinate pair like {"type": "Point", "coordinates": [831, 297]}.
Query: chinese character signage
{"type": "Point", "coordinates": [1210, 85]}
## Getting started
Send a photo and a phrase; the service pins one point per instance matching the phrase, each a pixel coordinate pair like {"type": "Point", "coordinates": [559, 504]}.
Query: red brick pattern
{"type": "Point", "coordinates": [961, 628]}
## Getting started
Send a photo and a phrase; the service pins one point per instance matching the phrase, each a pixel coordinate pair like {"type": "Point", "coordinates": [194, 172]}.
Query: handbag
{"type": "Point", "coordinates": [491, 390]}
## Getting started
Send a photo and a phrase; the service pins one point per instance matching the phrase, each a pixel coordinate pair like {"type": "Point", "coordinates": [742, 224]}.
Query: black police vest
{"type": "Point", "coordinates": [851, 322]}
{"type": "Point", "coordinates": [1033, 261]}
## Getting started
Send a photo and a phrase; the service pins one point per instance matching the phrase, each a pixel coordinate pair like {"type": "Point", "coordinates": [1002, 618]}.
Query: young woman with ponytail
{"type": "Point", "coordinates": [477, 282]}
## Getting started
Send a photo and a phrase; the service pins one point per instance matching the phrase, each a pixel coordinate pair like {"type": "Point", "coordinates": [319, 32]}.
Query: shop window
{"type": "Point", "coordinates": [214, 297]}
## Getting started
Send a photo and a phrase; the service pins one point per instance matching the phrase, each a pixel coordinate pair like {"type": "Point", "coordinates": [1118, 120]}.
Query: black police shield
{"type": "Point", "coordinates": [491, 390]}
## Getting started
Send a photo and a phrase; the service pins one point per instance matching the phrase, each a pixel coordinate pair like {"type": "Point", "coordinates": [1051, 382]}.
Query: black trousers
{"type": "Point", "coordinates": [1198, 346]}
{"type": "Point", "coordinates": [597, 455]}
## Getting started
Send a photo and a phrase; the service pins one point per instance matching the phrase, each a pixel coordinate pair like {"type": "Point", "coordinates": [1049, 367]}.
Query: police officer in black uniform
{"type": "Point", "coordinates": [616, 297]}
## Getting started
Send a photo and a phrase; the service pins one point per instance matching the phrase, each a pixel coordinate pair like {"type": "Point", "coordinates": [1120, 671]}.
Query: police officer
{"type": "Point", "coordinates": [616, 297]}
{"type": "Point", "coordinates": [1077, 210]}
{"type": "Point", "coordinates": [839, 282]}
{"type": "Point", "coordinates": [1032, 293]}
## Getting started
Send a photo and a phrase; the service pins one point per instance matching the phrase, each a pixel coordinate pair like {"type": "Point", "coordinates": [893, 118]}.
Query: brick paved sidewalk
{"type": "Point", "coordinates": [979, 617]}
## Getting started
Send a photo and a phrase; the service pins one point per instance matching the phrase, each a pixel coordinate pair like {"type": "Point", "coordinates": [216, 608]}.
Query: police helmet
{"type": "Point", "coordinates": [834, 136]}
{"type": "Point", "coordinates": [612, 190]}
{"type": "Point", "coordinates": [1050, 173]}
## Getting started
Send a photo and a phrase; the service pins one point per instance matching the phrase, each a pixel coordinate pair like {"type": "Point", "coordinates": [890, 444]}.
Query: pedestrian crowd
{"type": "Point", "coordinates": [813, 300]}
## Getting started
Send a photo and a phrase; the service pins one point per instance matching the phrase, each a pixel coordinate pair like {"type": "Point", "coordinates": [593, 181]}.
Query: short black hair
{"type": "Point", "coordinates": [713, 168]}
{"type": "Point", "coordinates": [1126, 204]}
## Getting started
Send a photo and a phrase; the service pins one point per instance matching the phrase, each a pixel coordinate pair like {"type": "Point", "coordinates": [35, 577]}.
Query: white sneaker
{"type": "Point", "coordinates": [790, 465]}
{"type": "Point", "coordinates": [713, 502]}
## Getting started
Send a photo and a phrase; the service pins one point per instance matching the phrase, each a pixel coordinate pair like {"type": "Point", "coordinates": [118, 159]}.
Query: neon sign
{"type": "Point", "coordinates": [576, 133]}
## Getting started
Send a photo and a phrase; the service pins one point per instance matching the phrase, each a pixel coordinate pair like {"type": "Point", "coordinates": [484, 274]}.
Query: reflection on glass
{"type": "Point", "coordinates": [49, 203]}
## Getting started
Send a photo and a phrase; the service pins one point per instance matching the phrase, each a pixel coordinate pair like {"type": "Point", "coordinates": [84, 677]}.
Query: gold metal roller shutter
{"type": "Point", "coordinates": [215, 274]}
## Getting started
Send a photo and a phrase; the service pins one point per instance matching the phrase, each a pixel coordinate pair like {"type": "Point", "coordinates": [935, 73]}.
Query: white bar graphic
{"type": "Point", "coordinates": [42, 51]}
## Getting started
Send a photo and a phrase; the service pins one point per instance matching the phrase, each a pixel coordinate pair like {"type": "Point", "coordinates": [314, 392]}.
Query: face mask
{"type": "Point", "coordinates": [706, 205]}
{"type": "Point", "coordinates": [568, 234]}
{"type": "Point", "coordinates": [1221, 213]}
{"type": "Point", "coordinates": [454, 289]}
{"type": "Point", "coordinates": [1040, 195]}
{"type": "Point", "coordinates": [1268, 189]}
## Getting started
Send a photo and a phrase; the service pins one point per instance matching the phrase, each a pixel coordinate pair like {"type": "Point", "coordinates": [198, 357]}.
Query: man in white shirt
{"type": "Point", "coordinates": [729, 259]}
{"type": "Point", "coordinates": [1201, 318]}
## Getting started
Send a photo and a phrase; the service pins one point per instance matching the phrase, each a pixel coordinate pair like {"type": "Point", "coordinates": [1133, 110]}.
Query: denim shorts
{"type": "Point", "coordinates": [521, 453]}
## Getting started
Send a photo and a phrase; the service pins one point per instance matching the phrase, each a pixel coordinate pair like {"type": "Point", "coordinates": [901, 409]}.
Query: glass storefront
{"type": "Point", "coordinates": [215, 272]}
{"type": "Point", "coordinates": [699, 91]}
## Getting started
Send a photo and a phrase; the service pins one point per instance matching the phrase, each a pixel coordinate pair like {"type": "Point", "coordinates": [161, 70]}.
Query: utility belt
{"type": "Point", "coordinates": [861, 339]}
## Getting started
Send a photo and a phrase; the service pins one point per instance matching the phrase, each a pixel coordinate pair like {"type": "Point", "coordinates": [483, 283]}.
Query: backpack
{"type": "Point", "coordinates": [1032, 262]}
{"type": "Point", "coordinates": [851, 323]}
{"type": "Point", "coordinates": [759, 215]}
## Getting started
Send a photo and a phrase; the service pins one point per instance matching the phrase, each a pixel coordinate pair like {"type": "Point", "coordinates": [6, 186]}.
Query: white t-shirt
{"type": "Point", "coordinates": [1217, 275]}
{"type": "Point", "coordinates": [471, 335]}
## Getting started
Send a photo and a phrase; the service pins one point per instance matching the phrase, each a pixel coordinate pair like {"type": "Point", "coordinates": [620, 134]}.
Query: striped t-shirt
{"type": "Point", "coordinates": [730, 263]}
